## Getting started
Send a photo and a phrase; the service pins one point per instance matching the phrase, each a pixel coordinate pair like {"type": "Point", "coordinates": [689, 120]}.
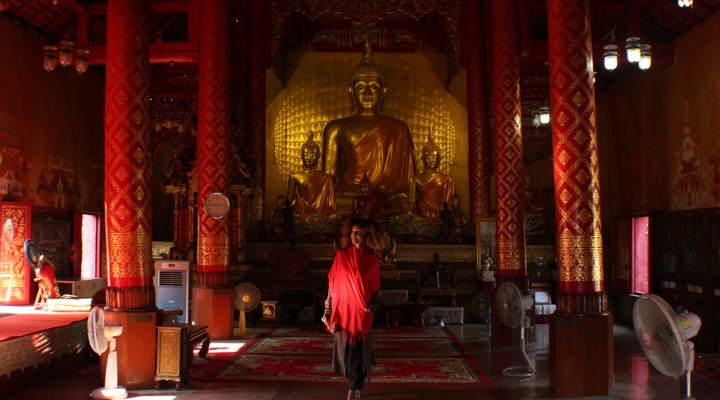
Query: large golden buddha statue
{"type": "Point", "coordinates": [431, 188]}
{"type": "Point", "coordinates": [369, 143]}
{"type": "Point", "coordinates": [311, 191]}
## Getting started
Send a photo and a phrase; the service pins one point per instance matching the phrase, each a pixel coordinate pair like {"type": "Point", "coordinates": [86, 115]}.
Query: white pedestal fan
{"type": "Point", "coordinates": [101, 336]}
{"type": "Point", "coordinates": [246, 297]}
{"type": "Point", "coordinates": [664, 337]}
{"type": "Point", "coordinates": [511, 307]}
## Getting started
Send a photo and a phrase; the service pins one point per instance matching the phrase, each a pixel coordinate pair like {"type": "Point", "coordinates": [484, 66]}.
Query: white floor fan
{"type": "Point", "coordinates": [101, 336]}
{"type": "Point", "coordinates": [512, 307]}
{"type": "Point", "coordinates": [246, 297]}
{"type": "Point", "coordinates": [664, 335]}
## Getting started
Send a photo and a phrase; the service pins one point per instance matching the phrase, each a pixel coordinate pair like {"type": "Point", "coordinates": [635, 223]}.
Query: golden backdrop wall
{"type": "Point", "coordinates": [317, 92]}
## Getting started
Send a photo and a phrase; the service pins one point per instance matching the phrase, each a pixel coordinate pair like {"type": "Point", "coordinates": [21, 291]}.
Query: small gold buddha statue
{"type": "Point", "coordinates": [311, 191]}
{"type": "Point", "coordinates": [369, 142]}
{"type": "Point", "coordinates": [458, 220]}
{"type": "Point", "coordinates": [431, 188]}
{"type": "Point", "coordinates": [367, 204]}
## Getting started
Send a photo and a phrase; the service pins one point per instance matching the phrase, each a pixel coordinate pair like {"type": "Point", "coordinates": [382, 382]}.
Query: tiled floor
{"type": "Point", "coordinates": [635, 378]}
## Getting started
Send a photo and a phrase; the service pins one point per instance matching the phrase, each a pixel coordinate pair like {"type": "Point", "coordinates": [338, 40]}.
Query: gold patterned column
{"type": "Point", "coordinates": [255, 119]}
{"type": "Point", "coordinates": [127, 156]}
{"type": "Point", "coordinates": [581, 330]}
{"type": "Point", "coordinates": [575, 161]}
{"type": "Point", "coordinates": [478, 125]}
{"type": "Point", "coordinates": [213, 134]}
{"type": "Point", "coordinates": [509, 168]}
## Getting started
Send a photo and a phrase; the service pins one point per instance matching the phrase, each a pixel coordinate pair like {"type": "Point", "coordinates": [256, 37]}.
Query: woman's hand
{"type": "Point", "coordinates": [326, 320]}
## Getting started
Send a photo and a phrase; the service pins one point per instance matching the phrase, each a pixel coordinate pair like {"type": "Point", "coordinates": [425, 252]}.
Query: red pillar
{"type": "Point", "coordinates": [127, 157]}
{"type": "Point", "coordinates": [213, 134]}
{"type": "Point", "coordinates": [211, 295]}
{"type": "Point", "coordinates": [581, 317]}
{"type": "Point", "coordinates": [509, 168]}
{"type": "Point", "coordinates": [478, 125]}
{"type": "Point", "coordinates": [129, 292]}
{"type": "Point", "coordinates": [258, 59]}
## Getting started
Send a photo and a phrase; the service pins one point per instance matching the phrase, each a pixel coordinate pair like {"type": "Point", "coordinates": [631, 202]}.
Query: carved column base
{"type": "Point", "coordinates": [578, 304]}
{"type": "Point", "coordinates": [213, 308]}
{"type": "Point", "coordinates": [583, 365]}
{"type": "Point", "coordinates": [213, 279]}
{"type": "Point", "coordinates": [135, 348]}
{"type": "Point", "coordinates": [130, 299]}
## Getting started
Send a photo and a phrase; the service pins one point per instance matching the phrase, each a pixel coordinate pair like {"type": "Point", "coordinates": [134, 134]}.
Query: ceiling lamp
{"type": "Point", "coordinates": [536, 118]}
{"type": "Point", "coordinates": [50, 58]}
{"type": "Point", "coordinates": [82, 60]}
{"type": "Point", "coordinates": [685, 3]}
{"type": "Point", "coordinates": [632, 47]}
{"type": "Point", "coordinates": [544, 115]}
{"type": "Point", "coordinates": [63, 53]}
{"type": "Point", "coordinates": [610, 57]}
{"type": "Point", "coordinates": [645, 57]}
{"type": "Point", "coordinates": [66, 52]}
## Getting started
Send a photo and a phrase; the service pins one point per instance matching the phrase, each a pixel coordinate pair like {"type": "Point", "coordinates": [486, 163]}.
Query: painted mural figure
{"type": "Point", "coordinates": [370, 143]}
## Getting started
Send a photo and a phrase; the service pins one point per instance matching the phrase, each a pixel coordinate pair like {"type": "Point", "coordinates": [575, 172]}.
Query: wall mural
{"type": "Point", "coordinates": [689, 189]}
{"type": "Point", "coordinates": [714, 103]}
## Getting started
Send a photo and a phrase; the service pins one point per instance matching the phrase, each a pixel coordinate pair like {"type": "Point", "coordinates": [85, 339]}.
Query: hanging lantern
{"type": "Point", "coordinates": [50, 58]}
{"type": "Point", "coordinates": [633, 49]}
{"type": "Point", "coordinates": [66, 52]}
{"type": "Point", "coordinates": [645, 57]}
{"type": "Point", "coordinates": [610, 57]}
{"type": "Point", "coordinates": [544, 115]}
{"type": "Point", "coordinates": [82, 60]}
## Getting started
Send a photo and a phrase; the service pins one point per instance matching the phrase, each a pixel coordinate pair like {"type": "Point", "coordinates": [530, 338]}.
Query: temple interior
{"type": "Point", "coordinates": [187, 166]}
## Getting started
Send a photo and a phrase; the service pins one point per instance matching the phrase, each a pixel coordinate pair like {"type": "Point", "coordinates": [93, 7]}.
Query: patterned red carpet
{"type": "Point", "coordinates": [428, 355]}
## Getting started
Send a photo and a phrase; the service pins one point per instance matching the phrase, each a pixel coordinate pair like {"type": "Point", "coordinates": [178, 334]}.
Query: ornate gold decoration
{"type": "Point", "coordinates": [309, 106]}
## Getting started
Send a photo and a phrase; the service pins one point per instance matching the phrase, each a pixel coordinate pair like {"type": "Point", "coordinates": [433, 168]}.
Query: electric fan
{"type": "Point", "coordinates": [511, 307]}
{"type": "Point", "coordinates": [246, 297]}
{"type": "Point", "coordinates": [101, 336]}
{"type": "Point", "coordinates": [664, 335]}
{"type": "Point", "coordinates": [481, 309]}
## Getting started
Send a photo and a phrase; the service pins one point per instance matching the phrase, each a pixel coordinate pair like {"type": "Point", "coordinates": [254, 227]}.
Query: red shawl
{"type": "Point", "coordinates": [353, 278]}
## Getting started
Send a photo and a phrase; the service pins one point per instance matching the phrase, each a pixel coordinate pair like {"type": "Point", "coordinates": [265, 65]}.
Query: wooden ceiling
{"type": "Point", "coordinates": [421, 25]}
{"type": "Point", "coordinates": [432, 26]}
{"type": "Point", "coordinates": [424, 25]}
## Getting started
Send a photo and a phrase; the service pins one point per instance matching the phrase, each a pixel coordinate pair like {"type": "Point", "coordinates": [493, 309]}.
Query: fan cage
{"type": "Point", "coordinates": [662, 339]}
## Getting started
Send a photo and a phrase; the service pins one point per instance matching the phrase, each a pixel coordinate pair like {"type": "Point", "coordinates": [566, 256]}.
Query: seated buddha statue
{"type": "Point", "coordinates": [367, 204]}
{"type": "Point", "coordinates": [368, 142]}
{"type": "Point", "coordinates": [311, 191]}
{"type": "Point", "coordinates": [431, 188]}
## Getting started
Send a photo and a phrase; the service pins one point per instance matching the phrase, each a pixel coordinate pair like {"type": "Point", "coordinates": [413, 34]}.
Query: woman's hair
{"type": "Point", "coordinates": [374, 238]}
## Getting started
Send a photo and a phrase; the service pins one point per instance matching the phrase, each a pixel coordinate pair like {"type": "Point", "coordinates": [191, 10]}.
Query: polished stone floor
{"type": "Point", "coordinates": [634, 378]}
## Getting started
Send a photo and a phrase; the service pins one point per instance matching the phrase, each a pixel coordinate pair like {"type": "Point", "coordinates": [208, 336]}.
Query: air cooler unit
{"type": "Point", "coordinates": [172, 292]}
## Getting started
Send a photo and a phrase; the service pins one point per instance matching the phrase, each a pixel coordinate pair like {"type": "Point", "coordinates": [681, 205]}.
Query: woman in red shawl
{"type": "Point", "coordinates": [353, 296]}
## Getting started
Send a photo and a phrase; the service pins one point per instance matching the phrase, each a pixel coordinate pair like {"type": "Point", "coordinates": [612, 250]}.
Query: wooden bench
{"type": "Point", "coordinates": [197, 335]}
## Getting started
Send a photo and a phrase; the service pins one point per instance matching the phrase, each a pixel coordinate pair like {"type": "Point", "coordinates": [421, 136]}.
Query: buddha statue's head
{"type": "Point", "coordinates": [365, 185]}
{"type": "Point", "coordinates": [431, 154]}
{"type": "Point", "coordinates": [310, 152]}
{"type": "Point", "coordinates": [367, 82]}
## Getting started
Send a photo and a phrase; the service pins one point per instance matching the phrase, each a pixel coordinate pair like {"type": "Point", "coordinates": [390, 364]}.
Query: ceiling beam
{"type": "Point", "coordinates": [166, 52]}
